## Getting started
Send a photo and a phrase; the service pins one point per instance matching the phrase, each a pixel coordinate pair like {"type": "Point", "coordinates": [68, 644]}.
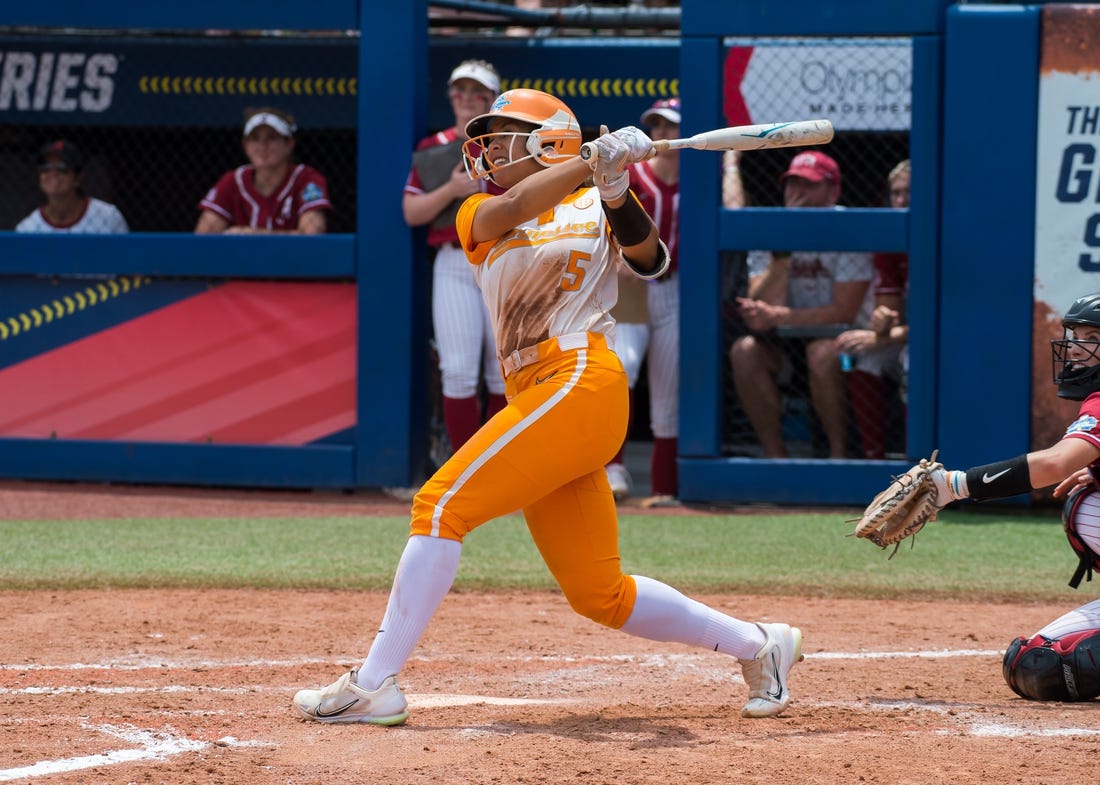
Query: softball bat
{"type": "Point", "coordinates": [800, 133]}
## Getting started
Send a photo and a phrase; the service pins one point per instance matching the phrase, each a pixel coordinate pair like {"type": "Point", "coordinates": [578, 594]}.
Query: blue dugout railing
{"type": "Point", "coordinates": [388, 441]}
{"type": "Point", "coordinates": [969, 234]}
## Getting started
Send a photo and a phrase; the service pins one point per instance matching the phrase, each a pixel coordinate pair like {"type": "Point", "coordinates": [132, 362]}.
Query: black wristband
{"type": "Point", "coordinates": [630, 222]}
{"type": "Point", "coordinates": [998, 480]}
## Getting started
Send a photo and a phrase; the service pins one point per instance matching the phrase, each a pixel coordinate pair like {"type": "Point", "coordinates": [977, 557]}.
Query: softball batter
{"type": "Point", "coordinates": [546, 255]}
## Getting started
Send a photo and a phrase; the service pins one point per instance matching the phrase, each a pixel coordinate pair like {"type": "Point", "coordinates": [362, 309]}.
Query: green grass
{"type": "Point", "coordinates": [992, 555]}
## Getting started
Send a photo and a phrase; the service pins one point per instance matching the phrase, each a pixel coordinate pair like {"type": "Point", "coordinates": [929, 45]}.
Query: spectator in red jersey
{"type": "Point", "coordinates": [880, 349]}
{"type": "Point", "coordinates": [271, 193]}
{"type": "Point", "coordinates": [437, 184]}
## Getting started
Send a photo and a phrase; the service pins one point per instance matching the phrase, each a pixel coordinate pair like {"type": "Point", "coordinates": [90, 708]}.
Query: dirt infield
{"type": "Point", "coordinates": [194, 686]}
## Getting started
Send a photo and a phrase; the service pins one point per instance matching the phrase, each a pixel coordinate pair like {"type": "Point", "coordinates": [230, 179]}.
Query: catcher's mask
{"type": "Point", "coordinates": [554, 138]}
{"type": "Point", "coordinates": [1079, 376]}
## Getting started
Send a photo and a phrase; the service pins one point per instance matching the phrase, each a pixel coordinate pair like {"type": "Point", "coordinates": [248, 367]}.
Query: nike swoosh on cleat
{"type": "Point", "coordinates": [338, 712]}
{"type": "Point", "coordinates": [986, 478]}
{"type": "Point", "coordinates": [779, 694]}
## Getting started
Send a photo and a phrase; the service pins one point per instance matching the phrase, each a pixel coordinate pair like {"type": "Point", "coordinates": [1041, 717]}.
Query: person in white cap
{"type": "Point", "coordinates": [648, 312]}
{"type": "Point", "coordinates": [271, 193]}
{"type": "Point", "coordinates": [437, 184]}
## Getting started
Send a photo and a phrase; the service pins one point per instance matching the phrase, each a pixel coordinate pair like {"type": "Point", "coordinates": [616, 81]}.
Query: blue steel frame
{"type": "Point", "coordinates": [969, 233]}
{"type": "Point", "coordinates": [392, 390]}
{"type": "Point", "coordinates": [705, 475]}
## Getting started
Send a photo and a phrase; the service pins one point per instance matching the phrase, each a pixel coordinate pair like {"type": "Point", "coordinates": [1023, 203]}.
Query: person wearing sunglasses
{"type": "Point", "coordinates": [67, 208]}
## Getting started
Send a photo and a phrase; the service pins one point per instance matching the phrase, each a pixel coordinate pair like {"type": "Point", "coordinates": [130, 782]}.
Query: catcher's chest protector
{"type": "Point", "coordinates": [1067, 669]}
{"type": "Point", "coordinates": [1089, 561]}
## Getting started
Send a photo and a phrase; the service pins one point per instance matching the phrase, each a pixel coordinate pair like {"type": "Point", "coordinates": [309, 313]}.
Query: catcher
{"type": "Point", "coordinates": [1060, 662]}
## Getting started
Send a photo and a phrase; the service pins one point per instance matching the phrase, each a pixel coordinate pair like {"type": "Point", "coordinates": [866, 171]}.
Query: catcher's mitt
{"type": "Point", "coordinates": [903, 508]}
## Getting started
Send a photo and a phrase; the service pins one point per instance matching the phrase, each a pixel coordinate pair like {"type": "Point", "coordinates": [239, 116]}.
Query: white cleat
{"type": "Point", "coordinates": [766, 674]}
{"type": "Point", "coordinates": [346, 701]}
{"type": "Point", "coordinates": [620, 479]}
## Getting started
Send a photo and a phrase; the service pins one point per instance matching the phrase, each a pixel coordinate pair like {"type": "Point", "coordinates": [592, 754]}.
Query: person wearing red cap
{"type": "Point", "coordinates": [67, 208]}
{"type": "Point", "coordinates": [647, 315]}
{"type": "Point", "coordinates": [803, 294]}
{"type": "Point", "coordinates": [437, 184]}
{"type": "Point", "coordinates": [879, 347]}
{"type": "Point", "coordinates": [271, 193]}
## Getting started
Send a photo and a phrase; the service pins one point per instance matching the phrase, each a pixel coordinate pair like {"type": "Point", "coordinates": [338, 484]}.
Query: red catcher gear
{"type": "Point", "coordinates": [1088, 561]}
{"type": "Point", "coordinates": [1066, 669]}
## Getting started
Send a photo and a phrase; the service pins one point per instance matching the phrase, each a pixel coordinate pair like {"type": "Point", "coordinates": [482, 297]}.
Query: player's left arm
{"type": "Point", "coordinates": [1059, 463]}
{"type": "Point", "coordinates": [1061, 460]}
{"type": "Point", "coordinates": [210, 223]}
{"type": "Point", "coordinates": [313, 222]}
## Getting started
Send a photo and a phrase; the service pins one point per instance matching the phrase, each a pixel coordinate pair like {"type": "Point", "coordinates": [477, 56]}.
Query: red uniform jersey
{"type": "Point", "coordinates": [892, 274]}
{"type": "Point", "coordinates": [414, 184]}
{"type": "Point", "coordinates": [235, 198]}
{"type": "Point", "coordinates": [662, 201]}
{"type": "Point", "coordinates": [1087, 427]}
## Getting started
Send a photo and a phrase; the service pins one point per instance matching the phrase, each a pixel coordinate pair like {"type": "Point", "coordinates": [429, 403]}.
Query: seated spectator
{"type": "Point", "coordinates": [879, 350]}
{"type": "Point", "coordinates": [271, 193]}
{"type": "Point", "coordinates": [67, 207]}
{"type": "Point", "coordinates": [795, 301]}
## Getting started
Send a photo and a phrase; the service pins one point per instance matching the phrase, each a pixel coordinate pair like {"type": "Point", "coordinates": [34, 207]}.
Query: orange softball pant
{"type": "Point", "coordinates": [544, 453]}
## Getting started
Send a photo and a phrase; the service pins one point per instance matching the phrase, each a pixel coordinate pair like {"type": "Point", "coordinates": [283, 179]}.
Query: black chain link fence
{"type": "Point", "coordinates": [155, 170]}
{"type": "Point", "coordinates": [873, 408]}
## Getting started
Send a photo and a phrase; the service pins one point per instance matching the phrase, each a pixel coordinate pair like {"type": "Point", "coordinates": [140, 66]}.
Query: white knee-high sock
{"type": "Point", "coordinates": [424, 576]}
{"type": "Point", "coordinates": [663, 614]}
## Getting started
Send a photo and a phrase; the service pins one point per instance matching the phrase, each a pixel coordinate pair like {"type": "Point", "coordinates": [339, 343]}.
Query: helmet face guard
{"type": "Point", "coordinates": [555, 134]}
{"type": "Point", "coordinates": [1077, 376]}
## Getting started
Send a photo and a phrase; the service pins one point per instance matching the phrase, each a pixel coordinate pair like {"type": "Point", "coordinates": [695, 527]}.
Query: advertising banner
{"type": "Point", "coordinates": [135, 359]}
{"type": "Point", "coordinates": [1067, 203]}
{"type": "Point", "coordinates": [859, 84]}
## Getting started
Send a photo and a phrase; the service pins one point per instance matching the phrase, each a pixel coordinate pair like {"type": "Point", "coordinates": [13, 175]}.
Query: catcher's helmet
{"type": "Point", "coordinates": [556, 135]}
{"type": "Point", "coordinates": [1078, 377]}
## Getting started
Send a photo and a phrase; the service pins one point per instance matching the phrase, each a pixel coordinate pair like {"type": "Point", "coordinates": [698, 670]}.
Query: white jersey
{"type": "Point", "coordinates": [811, 274]}
{"type": "Point", "coordinates": [98, 217]}
{"type": "Point", "coordinates": [554, 275]}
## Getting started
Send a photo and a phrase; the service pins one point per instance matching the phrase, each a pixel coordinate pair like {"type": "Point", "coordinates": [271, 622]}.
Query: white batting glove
{"type": "Point", "coordinates": [640, 145]}
{"type": "Point", "coordinates": [609, 165]}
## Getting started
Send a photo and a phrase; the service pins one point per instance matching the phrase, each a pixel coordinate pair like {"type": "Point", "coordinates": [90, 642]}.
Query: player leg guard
{"type": "Point", "coordinates": [1066, 669]}
{"type": "Point", "coordinates": [1088, 561]}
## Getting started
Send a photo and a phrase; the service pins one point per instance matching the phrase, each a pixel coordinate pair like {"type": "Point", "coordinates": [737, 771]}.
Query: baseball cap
{"type": "Point", "coordinates": [271, 120]}
{"type": "Point", "coordinates": [668, 108]}
{"type": "Point", "coordinates": [813, 165]}
{"type": "Point", "coordinates": [478, 70]}
{"type": "Point", "coordinates": [64, 150]}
